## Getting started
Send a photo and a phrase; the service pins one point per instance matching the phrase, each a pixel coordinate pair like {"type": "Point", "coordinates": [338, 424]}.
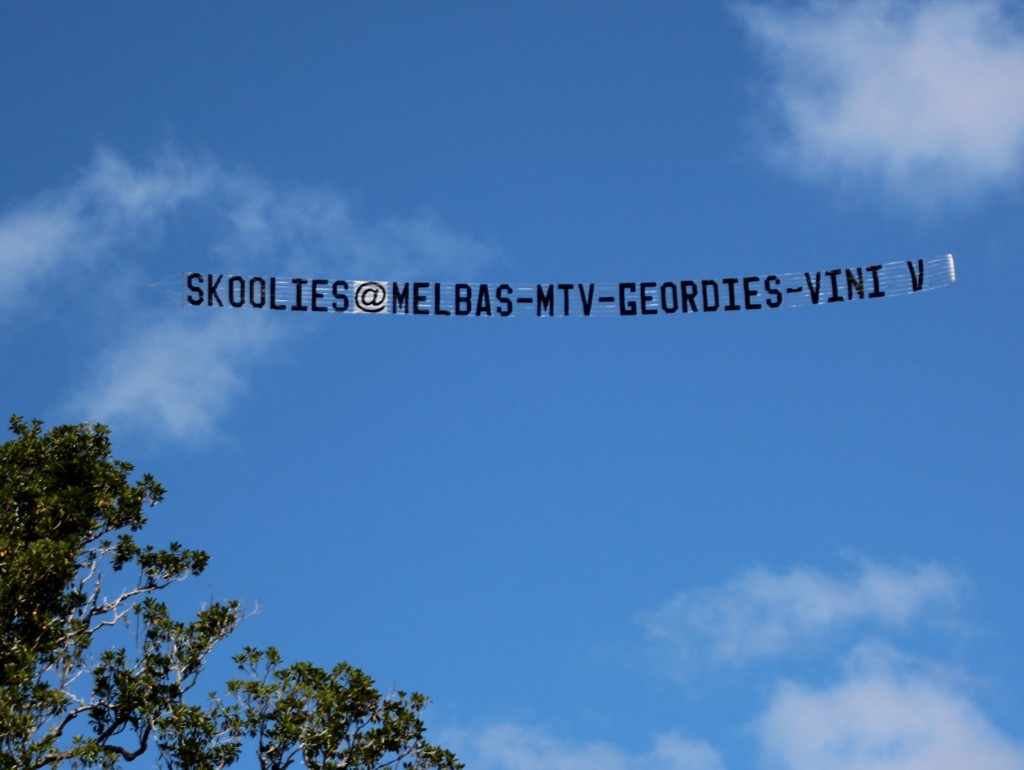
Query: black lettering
{"type": "Point", "coordinates": [438, 310]}
{"type": "Point", "coordinates": [299, 283]}
{"type": "Point", "coordinates": [212, 287]}
{"type": "Point", "coordinates": [855, 283]}
{"type": "Point", "coordinates": [400, 298]}
{"type": "Point", "coordinates": [545, 299]}
{"type": "Point", "coordinates": [916, 279]}
{"type": "Point", "coordinates": [419, 298]}
{"type": "Point", "coordinates": [832, 276]}
{"type": "Point", "coordinates": [587, 299]}
{"type": "Point", "coordinates": [195, 296]}
{"type": "Point", "coordinates": [731, 283]}
{"type": "Point", "coordinates": [338, 289]}
{"type": "Point", "coordinates": [253, 283]}
{"type": "Point", "coordinates": [236, 283]}
{"type": "Point", "coordinates": [463, 299]}
{"type": "Point", "coordinates": [483, 301]}
{"type": "Point", "coordinates": [669, 297]}
{"type": "Point", "coordinates": [709, 306]}
{"type": "Point", "coordinates": [504, 297]}
{"type": "Point", "coordinates": [771, 285]}
{"type": "Point", "coordinates": [749, 293]}
{"type": "Point", "coordinates": [876, 291]}
{"type": "Point", "coordinates": [315, 293]}
{"type": "Point", "coordinates": [273, 296]}
{"type": "Point", "coordinates": [646, 298]}
{"type": "Point", "coordinates": [815, 288]}
{"type": "Point", "coordinates": [565, 288]}
{"type": "Point", "coordinates": [626, 308]}
{"type": "Point", "coordinates": [689, 289]}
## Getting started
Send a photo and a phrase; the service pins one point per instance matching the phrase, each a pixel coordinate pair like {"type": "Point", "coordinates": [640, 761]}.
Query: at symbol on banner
{"type": "Point", "coordinates": [371, 297]}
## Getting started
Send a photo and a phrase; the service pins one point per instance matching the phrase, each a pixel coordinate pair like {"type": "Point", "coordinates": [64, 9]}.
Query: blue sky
{"type": "Point", "coordinates": [718, 541]}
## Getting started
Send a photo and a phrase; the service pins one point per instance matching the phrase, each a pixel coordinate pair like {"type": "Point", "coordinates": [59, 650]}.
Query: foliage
{"type": "Point", "coordinates": [68, 519]}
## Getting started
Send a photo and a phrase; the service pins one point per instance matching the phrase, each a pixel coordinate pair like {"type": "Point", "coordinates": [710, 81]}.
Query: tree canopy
{"type": "Point", "coordinates": [72, 572]}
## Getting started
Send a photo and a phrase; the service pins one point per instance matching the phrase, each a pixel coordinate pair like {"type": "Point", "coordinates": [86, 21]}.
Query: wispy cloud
{"type": "Point", "coordinates": [176, 376]}
{"type": "Point", "coordinates": [882, 721]}
{"type": "Point", "coordinates": [923, 95]}
{"type": "Point", "coordinates": [517, 747]}
{"type": "Point", "coordinates": [121, 221]}
{"type": "Point", "coordinates": [90, 220]}
{"type": "Point", "coordinates": [761, 613]}
{"type": "Point", "coordinates": [885, 709]}
{"type": "Point", "coordinates": [314, 228]}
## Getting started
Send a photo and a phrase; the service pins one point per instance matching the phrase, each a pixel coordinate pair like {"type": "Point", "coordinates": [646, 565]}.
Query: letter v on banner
{"type": "Point", "coordinates": [916, 278]}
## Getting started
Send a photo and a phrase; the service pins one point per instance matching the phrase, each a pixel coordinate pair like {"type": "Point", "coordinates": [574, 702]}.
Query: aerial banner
{"type": "Point", "coordinates": [769, 291]}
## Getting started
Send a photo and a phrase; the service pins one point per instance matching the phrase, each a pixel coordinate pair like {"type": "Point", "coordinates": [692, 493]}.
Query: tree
{"type": "Point", "coordinates": [69, 516]}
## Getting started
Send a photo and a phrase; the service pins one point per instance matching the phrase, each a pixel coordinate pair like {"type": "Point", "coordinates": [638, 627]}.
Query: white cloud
{"type": "Point", "coordinates": [32, 241]}
{"type": "Point", "coordinates": [87, 221]}
{"type": "Point", "coordinates": [924, 95]}
{"type": "Point", "coordinates": [316, 228]}
{"type": "Point", "coordinates": [889, 710]}
{"type": "Point", "coordinates": [178, 373]}
{"type": "Point", "coordinates": [761, 613]}
{"type": "Point", "coordinates": [515, 747]}
{"type": "Point", "coordinates": [882, 722]}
